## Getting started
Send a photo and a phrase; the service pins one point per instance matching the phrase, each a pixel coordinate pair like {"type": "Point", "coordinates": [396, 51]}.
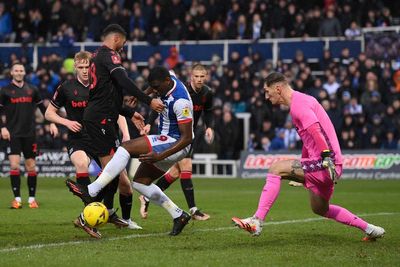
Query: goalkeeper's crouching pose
{"type": "Point", "coordinates": [318, 169]}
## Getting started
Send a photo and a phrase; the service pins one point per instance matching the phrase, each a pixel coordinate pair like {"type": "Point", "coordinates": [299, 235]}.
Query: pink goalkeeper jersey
{"type": "Point", "coordinates": [305, 111]}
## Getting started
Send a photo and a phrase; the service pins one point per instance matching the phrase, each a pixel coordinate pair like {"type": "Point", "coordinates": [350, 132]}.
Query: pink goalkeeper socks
{"type": "Point", "coordinates": [344, 216]}
{"type": "Point", "coordinates": [268, 195]}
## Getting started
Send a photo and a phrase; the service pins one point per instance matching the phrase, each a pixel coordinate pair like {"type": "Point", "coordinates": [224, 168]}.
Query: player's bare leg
{"type": "Point", "coordinates": [15, 178]}
{"type": "Point", "coordinates": [30, 167]}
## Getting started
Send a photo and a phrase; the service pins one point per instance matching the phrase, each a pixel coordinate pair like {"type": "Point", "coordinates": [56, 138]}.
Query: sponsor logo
{"type": "Point", "coordinates": [350, 161]}
{"type": "Point", "coordinates": [78, 104]}
{"type": "Point", "coordinates": [198, 107]}
{"type": "Point", "coordinates": [260, 161]}
{"type": "Point", "coordinates": [22, 99]}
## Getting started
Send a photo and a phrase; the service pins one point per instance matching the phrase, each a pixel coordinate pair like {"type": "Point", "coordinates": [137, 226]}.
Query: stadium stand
{"type": "Point", "coordinates": [353, 72]}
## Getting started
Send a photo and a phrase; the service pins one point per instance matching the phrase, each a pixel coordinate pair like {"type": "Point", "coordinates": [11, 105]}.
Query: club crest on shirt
{"type": "Point", "coordinates": [29, 91]}
{"type": "Point", "coordinates": [75, 92]}
{"type": "Point", "coordinates": [116, 59]}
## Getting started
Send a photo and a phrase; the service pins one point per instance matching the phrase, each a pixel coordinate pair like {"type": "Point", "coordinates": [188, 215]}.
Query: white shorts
{"type": "Point", "coordinates": [160, 143]}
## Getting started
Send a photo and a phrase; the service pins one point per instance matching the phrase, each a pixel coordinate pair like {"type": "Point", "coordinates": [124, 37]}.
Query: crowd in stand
{"type": "Point", "coordinates": [361, 95]}
{"type": "Point", "coordinates": [67, 21]}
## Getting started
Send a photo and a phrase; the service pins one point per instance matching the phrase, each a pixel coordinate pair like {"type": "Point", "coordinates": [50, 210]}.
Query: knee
{"type": "Point", "coordinates": [174, 173]}
{"type": "Point", "coordinates": [125, 188]}
{"type": "Point", "coordinates": [14, 167]}
{"type": "Point", "coordinates": [31, 167]}
{"type": "Point", "coordinates": [81, 167]}
{"type": "Point", "coordinates": [144, 181]}
{"type": "Point", "coordinates": [275, 169]}
{"type": "Point", "coordinates": [320, 210]}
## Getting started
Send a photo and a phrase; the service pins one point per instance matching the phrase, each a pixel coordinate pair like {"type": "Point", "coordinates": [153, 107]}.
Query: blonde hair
{"type": "Point", "coordinates": [82, 56]}
{"type": "Point", "coordinates": [199, 66]}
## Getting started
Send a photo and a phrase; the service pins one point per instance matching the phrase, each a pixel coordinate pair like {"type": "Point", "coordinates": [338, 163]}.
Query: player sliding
{"type": "Point", "coordinates": [319, 167]}
{"type": "Point", "coordinates": [156, 152]}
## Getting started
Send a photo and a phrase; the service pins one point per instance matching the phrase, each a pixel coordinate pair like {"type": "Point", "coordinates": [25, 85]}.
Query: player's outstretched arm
{"type": "Point", "coordinates": [120, 77]}
{"type": "Point", "coordinates": [148, 122]}
{"type": "Point", "coordinates": [123, 126]}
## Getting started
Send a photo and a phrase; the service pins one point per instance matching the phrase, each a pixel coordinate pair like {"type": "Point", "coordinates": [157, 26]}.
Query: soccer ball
{"type": "Point", "coordinates": [95, 214]}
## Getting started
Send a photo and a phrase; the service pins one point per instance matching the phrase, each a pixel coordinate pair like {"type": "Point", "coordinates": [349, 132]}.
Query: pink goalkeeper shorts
{"type": "Point", "coordinates": [317, 177]}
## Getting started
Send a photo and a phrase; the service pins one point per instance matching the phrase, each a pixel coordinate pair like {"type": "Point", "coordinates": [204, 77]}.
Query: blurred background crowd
{"type": "Point", "coordinates": [360, 94]}
{"type": "Point", "coordinates": [66, 21]}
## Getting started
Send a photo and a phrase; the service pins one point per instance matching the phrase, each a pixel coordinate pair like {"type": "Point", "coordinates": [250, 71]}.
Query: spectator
{"type": "Point", "coordinates": [5, 23]}
{"type": "Point", "coordinates": [353, 107]}
{"type": "Point", "coordinates": [242, 31]}
{"type": "Point", "coordinates": [174, 59]}
{"type": "Point", "coordinates": [313, 21]}
{"type": "Point", "coordinates": [353, 31]}
{"type": "Point", "coordinates": [238, 105]}
{"type": "Point", "coordinates": [330, 26]}
{"type": "Point", "coordinates": [94, 19]}
{"type": "Point", "coordinates": [291, 138]}
{"type": "Point", "coordinates": [278, 142]}
{"type": "Point", "coordinates": [390, 141]}
{"type": "Point", "coordinates": [331, 85]}
{"type": "Point", "coordinates": [257, 27]}
{"type": "Point", "coordinates": [228, 131]}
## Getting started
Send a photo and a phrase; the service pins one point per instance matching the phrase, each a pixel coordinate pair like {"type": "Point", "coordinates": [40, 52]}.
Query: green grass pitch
{"type": "Point", "coordinates": [292, 235]}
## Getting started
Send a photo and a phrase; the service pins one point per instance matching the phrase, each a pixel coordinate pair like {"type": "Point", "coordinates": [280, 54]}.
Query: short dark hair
{"type": "Point", "coordinates": [158, 73]}
{"type": "Point", "coordinates": [16, 63]}
{"type": "Point", "coordinates": [274, 77]}
{"type": "Point", "coordinates": [114, 28]}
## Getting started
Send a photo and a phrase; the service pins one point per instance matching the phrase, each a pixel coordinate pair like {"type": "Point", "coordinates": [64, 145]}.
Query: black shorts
{"type": "Point", "coordinates": [26, 145]}
{"type": "Point", "coordinates": [76, 144]}
{"type": "Point", "coordinates": [100, 138]}
{"type": "Point", "coordinates": [189, 155]}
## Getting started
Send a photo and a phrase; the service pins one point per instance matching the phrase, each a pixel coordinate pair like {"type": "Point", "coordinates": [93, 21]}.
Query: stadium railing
{"type": "Point", "coordinates": [199, 51]}
{"type": "Point", "coordinates": [208, 166]}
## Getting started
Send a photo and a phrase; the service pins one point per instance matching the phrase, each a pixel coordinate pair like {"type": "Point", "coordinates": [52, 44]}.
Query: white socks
{"type": "Point", "coordinates": [112, 169]}
{"type": "Point", "coordinates": [18, 199]}
{"type": "Point", "coordinates": [193, 210]}
{"type": "Point", "coordinates": [157, 196]}
{"type": "Point", "coordinates": [30, 199]}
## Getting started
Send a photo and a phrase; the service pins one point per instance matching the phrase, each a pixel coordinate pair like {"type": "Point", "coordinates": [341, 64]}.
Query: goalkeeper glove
{"type": "Point", "coordinates": [328, 164]}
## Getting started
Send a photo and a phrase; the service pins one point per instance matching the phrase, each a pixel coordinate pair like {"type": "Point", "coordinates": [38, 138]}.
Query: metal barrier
{"type": "Point", "coordinates": [208, 166]}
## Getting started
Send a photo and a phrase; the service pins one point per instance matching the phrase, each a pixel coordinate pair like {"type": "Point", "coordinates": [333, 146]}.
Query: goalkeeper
{"type": "Point", "coordinates": [319, 167]}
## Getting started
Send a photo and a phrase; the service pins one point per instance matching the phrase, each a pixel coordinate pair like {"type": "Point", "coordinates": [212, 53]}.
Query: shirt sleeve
{"type": "Point", "coordinates": [304, 113]}
{"type": "Point", "coordinates": [183, 110]}
{"type": "Point", "coordinates": [112, 61]}
{"type": "Point", "coordinates": [59, 99]}
{"type": "Point", "coordinates": [209, 109]}
{"type": "Point", "coordinates": [36, 96]}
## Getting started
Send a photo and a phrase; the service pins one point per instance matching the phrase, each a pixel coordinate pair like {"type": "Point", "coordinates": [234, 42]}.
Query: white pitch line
{"type": "Point", "coordinates": [39, 246]}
